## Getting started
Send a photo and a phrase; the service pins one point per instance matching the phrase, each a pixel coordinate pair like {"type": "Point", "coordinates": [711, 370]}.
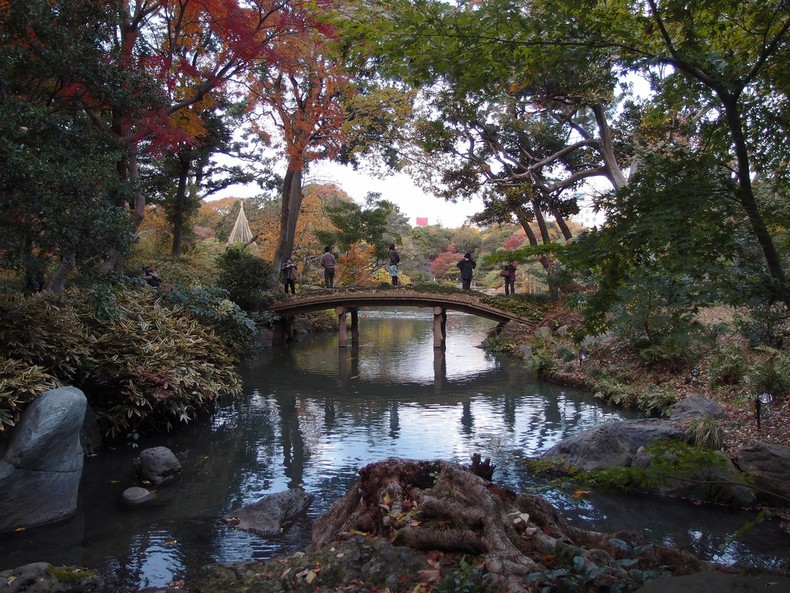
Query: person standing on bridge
{"type": "Point", "coordinates": [509, 274]}
{"type": "Point", "coordinates": [394, 261]}
{"type": "Point", "coordinates": [328, 263]}
{"type": "Point", "coordinates": [466, 266]}
{"type": "Point", "coordinates": [289, 275]}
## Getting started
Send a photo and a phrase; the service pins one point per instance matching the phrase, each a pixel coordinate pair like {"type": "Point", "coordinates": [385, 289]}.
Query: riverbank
{"type": "Point", "coordinates": [726, 370]}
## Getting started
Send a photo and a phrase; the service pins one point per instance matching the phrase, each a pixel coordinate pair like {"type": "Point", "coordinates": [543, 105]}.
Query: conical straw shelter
{"type": "Point", "coordinates": [241, 232]}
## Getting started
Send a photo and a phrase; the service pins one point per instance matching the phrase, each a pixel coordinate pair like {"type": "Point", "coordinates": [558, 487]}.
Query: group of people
{"type": "Point", "coordinates": [328, 262]}
{"type": "Point", "coordinates": [289, 271]}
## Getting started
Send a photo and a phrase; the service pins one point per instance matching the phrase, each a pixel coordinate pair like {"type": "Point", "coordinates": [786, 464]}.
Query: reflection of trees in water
{"type": "Point", "coordinates": [294, 454]}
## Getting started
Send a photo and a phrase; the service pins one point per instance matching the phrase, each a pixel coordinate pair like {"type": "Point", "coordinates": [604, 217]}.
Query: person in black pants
{"type": "Point", "coordinates": [328, 263]}
{"type": "Point", "coordinates": [466, 265]}
{"type": "Point", "coordinates": [289, 275]}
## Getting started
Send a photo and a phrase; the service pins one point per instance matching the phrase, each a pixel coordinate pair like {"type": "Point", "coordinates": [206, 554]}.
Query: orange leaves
{"type": "Point", "coordinates": [302, 91]}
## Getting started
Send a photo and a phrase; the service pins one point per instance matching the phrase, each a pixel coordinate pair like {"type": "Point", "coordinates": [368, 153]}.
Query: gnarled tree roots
{"type": "Point", "coordinates": [442, 506]}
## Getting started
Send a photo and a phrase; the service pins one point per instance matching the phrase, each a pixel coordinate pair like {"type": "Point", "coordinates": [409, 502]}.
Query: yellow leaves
{"type": "Point", "coordinates": [308, 574]}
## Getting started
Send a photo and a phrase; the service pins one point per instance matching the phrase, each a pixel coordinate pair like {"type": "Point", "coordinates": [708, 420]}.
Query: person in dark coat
{"type": "Point", "coordinates": [466, 265]}
{"type": "Point", "coordinates": [288, 270]}
{"type": "Point", "coordinates": [509, 274]}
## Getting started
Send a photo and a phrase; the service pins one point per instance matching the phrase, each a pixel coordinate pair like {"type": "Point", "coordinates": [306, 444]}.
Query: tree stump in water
{"type": "Point", "coordinates": [437, 505]}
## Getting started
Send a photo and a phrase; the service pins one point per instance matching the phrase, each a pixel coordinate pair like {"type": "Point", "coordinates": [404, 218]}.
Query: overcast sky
{"type": "Point", "coordinates": [400, 190]}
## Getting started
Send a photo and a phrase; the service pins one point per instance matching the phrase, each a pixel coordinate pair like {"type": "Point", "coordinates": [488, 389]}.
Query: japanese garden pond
{"type": "Point", "coordinates": [313, 414]}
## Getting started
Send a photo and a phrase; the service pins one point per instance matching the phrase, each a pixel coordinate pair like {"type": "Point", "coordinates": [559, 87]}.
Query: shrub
{"type": "Point", "coordinates": [212, 307]}
{"type": "Point", "coordinates": [20, 384]}
{"type": "Point", "coordinates": [566, 354]}
{"type": "Point", "coordinates": [765, 325]}
{"type": "Point", "coordinates": [246, 277]}
{"type": "Point", "coordinates": [727, 366]}
{"type": "Point", "coordinates": [770, 372]}
{"type": "Point", "coordinates": [655, 401]}
{"type": "Point", "coordinates": [496, 344]}
{"type": "Point", "coordinates": [43, 330]}
{"type": "Point", "coordinates": [542, 360]}
{"type": "Point", "coordinates": [704, 432]}
{"type": "Point", "coordinates": [139, 363]}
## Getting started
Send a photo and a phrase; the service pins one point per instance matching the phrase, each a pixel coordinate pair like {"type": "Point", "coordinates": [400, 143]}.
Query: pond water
{"type": "Point", "coordinates": [313, 414]}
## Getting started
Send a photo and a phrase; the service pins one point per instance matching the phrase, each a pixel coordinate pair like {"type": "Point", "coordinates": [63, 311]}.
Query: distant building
{"type": "Point", "coordinates": [587, 216]}
{"type": "Point", "coordinates": [422, 221]}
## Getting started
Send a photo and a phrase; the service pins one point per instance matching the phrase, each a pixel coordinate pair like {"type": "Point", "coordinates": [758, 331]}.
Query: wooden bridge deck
{"type": "Point", "coordinates": [401, 296]}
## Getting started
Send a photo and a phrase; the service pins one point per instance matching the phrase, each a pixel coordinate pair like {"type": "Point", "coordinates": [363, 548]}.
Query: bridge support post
{"type": "Point", "coordinates": [440, 327]}
{"type": "Point", "coordinates": [354, 325]}
{"type": "Point", "coordinates": [283, 330]}
{"type": "Point", "coordinates": [341, 326]}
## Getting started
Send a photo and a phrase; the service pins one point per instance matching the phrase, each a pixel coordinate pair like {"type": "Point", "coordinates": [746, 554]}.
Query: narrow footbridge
{"type": "Point", "coordinates": [348, 302]}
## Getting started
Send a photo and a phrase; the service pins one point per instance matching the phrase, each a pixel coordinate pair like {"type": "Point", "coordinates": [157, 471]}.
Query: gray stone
{"type": "Point", "coordinates": [157, 465]}
{"type": "Point", "coordinates": [695, 406]}
{"type": "Point", "coordinates": [623, 444]}
{"type": "Point", "coordinates": [42, 466]}
{"type": "Point", "coordinates": [526, 351]}
{"type": "Point", "coordinates": [611, 444]}
{"type": "Point", "coordinates": [718, 582]}
{"type": "Point", "coordinates": [769, 466]}
{"type": "Point", "coordinates": [267, 516]}
{"type": "Point", "coordinates": [136, 496]}
{"type": "Point", "coordinates": [718, 483]}
{"type": "Point", "coordinates": [545, 331]}
{"type": "Point", "coordinates": [39, 577]}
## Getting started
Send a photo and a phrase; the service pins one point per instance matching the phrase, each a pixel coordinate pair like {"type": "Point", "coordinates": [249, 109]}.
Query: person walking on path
{"type": "Point", "coordinates": [466, 265]}
{"type": "Point", "coordinates": [394, 261]}
{"type": "Point", "coordinates": [509, 274]}
{"type": "Point", "coordinates": [328, 263]}
{"type": "Point", "coordinates": [289, 275]}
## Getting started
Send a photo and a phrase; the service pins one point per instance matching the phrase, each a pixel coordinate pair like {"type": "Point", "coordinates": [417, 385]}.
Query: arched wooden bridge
{"type": "Point", "coordinates": [348, 302]}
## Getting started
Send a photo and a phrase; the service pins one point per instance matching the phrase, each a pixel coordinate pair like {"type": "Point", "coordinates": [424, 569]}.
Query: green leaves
{"type": "Point", "coordinates": [144, 366]}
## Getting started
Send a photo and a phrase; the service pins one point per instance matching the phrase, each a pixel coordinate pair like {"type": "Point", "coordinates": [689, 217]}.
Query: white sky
{"type": "Point", "coordinates": [398, 189]}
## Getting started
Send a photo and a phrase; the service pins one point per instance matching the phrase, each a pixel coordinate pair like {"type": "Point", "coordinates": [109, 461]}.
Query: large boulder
{"type": "Point", "coordinates": [717, 482]}
{"type": "Point", "coordinates": [267, 516]}
{"type": "Point", "coordinates": [695, 406]}
{"type": "Point", "coordinates": [612, 444]}
{"type": "Point", "coordinates": [41, 577]}
{"type": "Point", "coordinates": [624, 444]}
{"type": "Point", "coordinates": [156, 465]}
{"type": "Point", "coordinates": [41, 468]}
{"type": "Point", "coordinates": [769, 467]}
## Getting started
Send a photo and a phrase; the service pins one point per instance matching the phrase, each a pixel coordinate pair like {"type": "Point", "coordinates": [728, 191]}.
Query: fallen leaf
{"type": "Point", "coordinates": [430, 575]}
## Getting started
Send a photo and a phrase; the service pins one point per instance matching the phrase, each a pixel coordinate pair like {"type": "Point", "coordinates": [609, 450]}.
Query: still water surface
{"type": "Point", "coordinates": [314, 414]}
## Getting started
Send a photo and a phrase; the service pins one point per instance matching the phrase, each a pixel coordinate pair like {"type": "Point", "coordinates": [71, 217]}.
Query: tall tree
{"type": "Point", "coordinates": [720, 70]}
{"type": "Point", "coordinates": [58, 187]}
{"type": "Point", "coordinates": [301, 94]}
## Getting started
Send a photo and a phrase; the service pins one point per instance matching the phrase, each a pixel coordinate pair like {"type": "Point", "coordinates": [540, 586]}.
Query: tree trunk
{"type": "Point", "coordinates": [746, 197]}
{"type": "Point", "coordinates": [441, 506]}
{"type": "Point", "coordinates": [178, 207]}
{"type": "Point", "coordinates": [292, 201]}
{"type": "Point", "coordinates": [560, 219]}
{"type": "Point", "coordinates": [613, 170]}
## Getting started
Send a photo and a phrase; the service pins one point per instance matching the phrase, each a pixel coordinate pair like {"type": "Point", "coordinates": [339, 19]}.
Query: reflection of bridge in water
{"type": "Point", "coordinates": [347, 303]}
